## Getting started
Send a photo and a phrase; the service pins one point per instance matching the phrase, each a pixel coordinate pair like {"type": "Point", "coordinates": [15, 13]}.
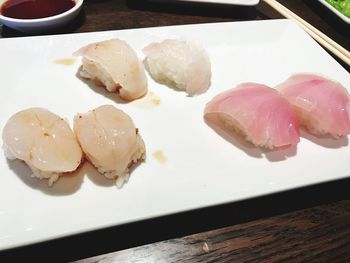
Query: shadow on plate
{"type": "Point", "coordinates": [280, 154]}
{"type": "Point", "coordinates": [273, 155]}
{"type": "Point", "coordinates": [100, 180]}
{"type": "Point", "coordinates": [326, 141]}
{"type": "Point", "coordinates": [96, 177]}
{"type": "Point", "coordinates": [66, 185]}
{"type": "Point", "coordinates": [71, 27]}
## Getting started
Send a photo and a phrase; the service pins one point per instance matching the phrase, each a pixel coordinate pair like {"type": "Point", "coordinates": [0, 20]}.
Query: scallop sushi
{"type": "Point", "coordinates": [110, 141]}
{"type": "Point", "coordinates": [258, 112]}
{"type": "Point", "coordinates": [114, 65]}
{"type": "Point", "coordinates": [44, 141]}
{"type": "Point", "coordinates": [183, 65]}
{"type": "Point", "coordinates": [322, 105]}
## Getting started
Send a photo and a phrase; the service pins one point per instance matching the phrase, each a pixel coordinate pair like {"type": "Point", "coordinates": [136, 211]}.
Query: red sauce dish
{"type": "Point", "coordinates": [34, 16]}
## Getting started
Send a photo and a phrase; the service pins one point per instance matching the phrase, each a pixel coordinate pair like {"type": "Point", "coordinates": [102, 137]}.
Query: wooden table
{"type": "Point", "coordinates": [307, 224]}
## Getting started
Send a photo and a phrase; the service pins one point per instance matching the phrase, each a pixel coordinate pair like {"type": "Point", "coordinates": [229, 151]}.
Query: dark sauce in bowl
{"type": "Point", "coordinates": [32, 9]}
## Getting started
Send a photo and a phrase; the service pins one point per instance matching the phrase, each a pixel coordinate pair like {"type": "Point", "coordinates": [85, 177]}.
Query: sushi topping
{"type": "Point", "coordinates": [110, 141]}
{"type": "Point", "coordinates": [270, 117]}
{"type": "Point", "coordinates": [182, 65]}
{"type": "Point", "coordinates": [114, 65]}
{"type": "Point", "coordinates": [258, 112]}
{"type": "Point", "coordinates": [322, 105]}
{"type": "Point", "coordinates": [44, 141]}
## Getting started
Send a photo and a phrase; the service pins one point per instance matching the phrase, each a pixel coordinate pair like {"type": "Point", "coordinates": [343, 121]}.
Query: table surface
{"type": "Point", "coordinates": [307, 224]}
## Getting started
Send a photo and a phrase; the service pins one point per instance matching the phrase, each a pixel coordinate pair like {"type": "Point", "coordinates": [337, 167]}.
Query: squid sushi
{"type": "Point", "coordinates": [322, 105]}
{"type": "Point", "coordinates": [258, 112]}
{"type": "Point", "coordinates": [179, 64]}
{"type": "Point", "coordinates": [110, 141]}
{"type": "Point", "coordinates": [44, 141]}
{"type": "Point", "coordinates": [114, 65]}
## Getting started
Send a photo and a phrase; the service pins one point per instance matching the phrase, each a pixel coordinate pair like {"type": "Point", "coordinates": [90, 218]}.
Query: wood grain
{"type": "Point", "coordinates": [316, 234]}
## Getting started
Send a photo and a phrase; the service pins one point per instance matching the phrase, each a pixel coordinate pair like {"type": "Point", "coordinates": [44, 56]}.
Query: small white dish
{"type": "Point", "coordinates": [42, 24]}
{"type": "Point", "coordinates": [335, 11]}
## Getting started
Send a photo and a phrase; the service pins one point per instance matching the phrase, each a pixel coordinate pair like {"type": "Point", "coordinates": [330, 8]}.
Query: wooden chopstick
{"type": "Point", "coordinates": [321, 38]}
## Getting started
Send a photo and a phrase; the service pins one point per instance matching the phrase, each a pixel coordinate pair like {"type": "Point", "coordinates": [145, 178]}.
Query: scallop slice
{"type": "Point", "coordinates": [114, 65]}
{"type": "Point", "coordinates": [44, 141]}
{"type": "Point", "coordinates": [258, 112]}
{"type": "Point", "coordinates": [183, 65]}
{"type": "Point", "coordinates": [110, 141]}
{"type": "Point", "coordinates": [321, 104]}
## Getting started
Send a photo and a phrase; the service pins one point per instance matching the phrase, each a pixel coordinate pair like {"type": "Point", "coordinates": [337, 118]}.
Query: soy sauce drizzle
{"type": "Point", "coordinates": [31, 9]}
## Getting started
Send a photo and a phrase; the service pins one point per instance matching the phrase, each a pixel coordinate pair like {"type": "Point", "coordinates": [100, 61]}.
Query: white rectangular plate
{"type": "Point", "coordinates": [225, 2]}
{"type": "Point", "coordinates": [201, 168]}
{"type": "Point", "coordinates": [335, 11]}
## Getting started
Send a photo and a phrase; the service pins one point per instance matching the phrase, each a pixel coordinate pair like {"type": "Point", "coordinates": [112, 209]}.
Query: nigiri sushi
{"type": "Point", "coordinates": [44, 141]}
{"type": "Point", "coordinates": [179, 64]}
{"type": "Point", "coordinates": [322, 105]}
{"type": "Point", "coordinates": [258, 112]}
{"type": "Point", "coordinates": [110, 141]}
{"type": "Point", "coordinates": [115, 65]}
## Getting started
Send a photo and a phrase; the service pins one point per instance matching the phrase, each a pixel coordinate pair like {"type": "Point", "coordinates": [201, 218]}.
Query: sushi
{"type": "Point", "coordinates": [44, 141]}
{"type": "Point", "coordinates": [114, 65]}
{"type": "Point", "coordinates": [258, 112]}
{"type": "Point", "coordinates": [322, 105]}
{"type": "Point", "coordinates": [182, 65]}
{"type": "Point", "coordinates": [110, 141]}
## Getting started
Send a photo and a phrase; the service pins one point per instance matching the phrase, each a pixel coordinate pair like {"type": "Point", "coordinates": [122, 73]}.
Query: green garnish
{"type": "Point", "coordinates": [342, 5]}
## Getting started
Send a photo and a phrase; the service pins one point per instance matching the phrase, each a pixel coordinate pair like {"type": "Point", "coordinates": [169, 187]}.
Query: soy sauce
{"type": "Point", "coordinates": [31, 9]}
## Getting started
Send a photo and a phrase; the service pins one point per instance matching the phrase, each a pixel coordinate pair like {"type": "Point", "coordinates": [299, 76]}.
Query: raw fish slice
{"type": "Point", "coordinates": [257, 111]}
{"type": "Point", "coordinates": [110, 141]}
{"type": "Point", "coordinates": [44, 141]}
{"type": "Point", "coordinates": [180, 64]}
{"type": "Point", "coordinates": [115, 65]}
{"type": "Point", "coordinates": [322, 105]}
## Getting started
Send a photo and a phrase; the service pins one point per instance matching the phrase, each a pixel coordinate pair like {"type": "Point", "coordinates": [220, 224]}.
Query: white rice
{"type": "Point", "coordinates": [123, 176]}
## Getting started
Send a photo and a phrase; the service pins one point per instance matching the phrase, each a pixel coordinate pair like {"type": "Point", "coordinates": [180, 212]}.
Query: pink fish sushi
{"type": "Point", "coordinates": [258, 112]}
{"type": "Point", "coordinates": [321, 105]}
